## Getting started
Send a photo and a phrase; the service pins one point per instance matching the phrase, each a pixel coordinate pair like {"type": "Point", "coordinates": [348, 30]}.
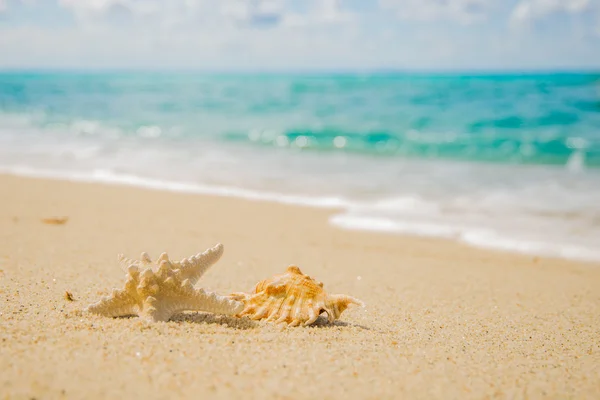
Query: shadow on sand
{"type": "Point", "coordinates": [246, 323]}
{"type": "Point", "coordinates": [323, 323]}
{"type": "Point", "coordinates": [207, 318]}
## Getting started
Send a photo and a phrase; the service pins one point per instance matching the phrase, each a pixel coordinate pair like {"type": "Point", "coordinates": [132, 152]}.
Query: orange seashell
{"type": "Point", "coordinates": [292, 298]}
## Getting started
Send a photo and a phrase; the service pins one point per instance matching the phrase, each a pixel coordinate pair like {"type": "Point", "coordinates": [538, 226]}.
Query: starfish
{"type": "Point", "coordinates": [158, 290]}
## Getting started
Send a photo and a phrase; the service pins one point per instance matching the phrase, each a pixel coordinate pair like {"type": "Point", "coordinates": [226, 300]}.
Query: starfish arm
{"type": "Point", "coordinates": [191, 299]}
{"type": "Point", "coordinates": [201, 300]}
{"type": "Point", "coordinates": [174, 298]}
{"type": "Point", "coordinates": [118, 304]}
{"type": "Point", "coordinates": [194, 267]}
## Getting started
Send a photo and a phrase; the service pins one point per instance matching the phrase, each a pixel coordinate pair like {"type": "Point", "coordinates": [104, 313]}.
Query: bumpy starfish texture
{"type": "Point", "coordinates": [158, 290]}
{"type": "Point", "coordinates": [292, 298]}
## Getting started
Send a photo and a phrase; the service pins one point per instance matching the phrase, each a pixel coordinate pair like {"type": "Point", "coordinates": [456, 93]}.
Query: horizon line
{"type": "Point", "coordinates": [311, 71]}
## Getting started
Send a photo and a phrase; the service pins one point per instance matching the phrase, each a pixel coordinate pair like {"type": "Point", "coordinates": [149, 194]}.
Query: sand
{"type": "Point", "coordinates": [443, 320]}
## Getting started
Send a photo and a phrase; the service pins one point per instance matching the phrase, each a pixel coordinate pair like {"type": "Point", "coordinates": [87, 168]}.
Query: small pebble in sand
{"type": "Point", "coordinates": [69, 296]}
{"type": "Point", "coordinates": [55, 220]}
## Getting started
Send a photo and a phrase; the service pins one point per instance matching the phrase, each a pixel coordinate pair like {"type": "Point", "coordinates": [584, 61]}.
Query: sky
{"type": "Point", "coordinates": [300, 34]}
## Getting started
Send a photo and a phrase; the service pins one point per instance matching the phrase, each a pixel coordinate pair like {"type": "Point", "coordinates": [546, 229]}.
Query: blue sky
{"type": "Point", "coordinates": [300, 34]}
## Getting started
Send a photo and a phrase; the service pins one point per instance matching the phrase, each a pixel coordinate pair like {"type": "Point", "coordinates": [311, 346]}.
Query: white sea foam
{"type": "Point", "coordinates": [381, 224]}
{"type": "Point", "coordinates": [110, 177]}
{"type": "Point", "coordinates": [489, 239]}
{"type": "Point", "coordinates": [485, 238]}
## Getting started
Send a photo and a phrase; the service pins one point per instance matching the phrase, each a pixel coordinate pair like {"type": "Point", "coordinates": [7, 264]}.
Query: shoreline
{"type": "Point", "coordinates": [338, 208]}
{"type": "Point", "coordinates": [443, 320]}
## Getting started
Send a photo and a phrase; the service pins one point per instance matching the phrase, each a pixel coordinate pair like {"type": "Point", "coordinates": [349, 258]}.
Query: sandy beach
{"type": "Point", "coordinates": [442, 320]}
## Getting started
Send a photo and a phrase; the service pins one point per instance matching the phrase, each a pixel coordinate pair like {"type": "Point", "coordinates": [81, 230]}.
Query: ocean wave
{"type": "Point", "coordinates": [509, 119]}
{"type": "Point", "coordinates": [448, 145]}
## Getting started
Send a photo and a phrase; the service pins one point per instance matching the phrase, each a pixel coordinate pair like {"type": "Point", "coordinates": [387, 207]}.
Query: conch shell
{"type": "Point", "coordinates": [292, 298]}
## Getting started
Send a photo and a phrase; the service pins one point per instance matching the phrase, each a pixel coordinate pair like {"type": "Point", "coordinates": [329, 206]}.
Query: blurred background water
{"type": "Point", "coordinates": [503, 161]}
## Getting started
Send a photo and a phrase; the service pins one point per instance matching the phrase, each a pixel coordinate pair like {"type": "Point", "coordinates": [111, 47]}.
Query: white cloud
{"type": "Point", "coordinates": [585, 12]}
{"type": "Point", "coordinates": [528, 10]}
{"type": "Point", "coordinates": [4, 4]}
{"type": "Point", "coordinates": [190, 33]}
{"type": "Point", "coordinates": [157, 20]}
{"type": "Point", "coordinates": [463, 11]}
{"type": "Point", "coordinates": [257, 34]}
{"type": "Point", "coordinates": [227, 22]}
{"type": "Point", "coordinates": [86, 10]}
{"type": "Point", "coordinates": [173, 12]}
{"type": "Point", "coordinates": [331, 10]}
{"type": "Point", "coordinates": [242, 13]}
{"type": "Point", "coordinates": [322, 12]}
{"type": "Point", "coordinates": [257, 12]}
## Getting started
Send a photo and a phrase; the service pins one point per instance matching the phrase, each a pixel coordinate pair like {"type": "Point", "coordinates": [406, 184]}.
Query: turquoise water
{"type": "Point", "coordinates": [535, 119]}
{"type": "Point", "coordinates": [505, 161]}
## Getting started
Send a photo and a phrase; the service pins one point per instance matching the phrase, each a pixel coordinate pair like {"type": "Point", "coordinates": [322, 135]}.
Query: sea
{"type": "Point", "coordinates": [502, 161]}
